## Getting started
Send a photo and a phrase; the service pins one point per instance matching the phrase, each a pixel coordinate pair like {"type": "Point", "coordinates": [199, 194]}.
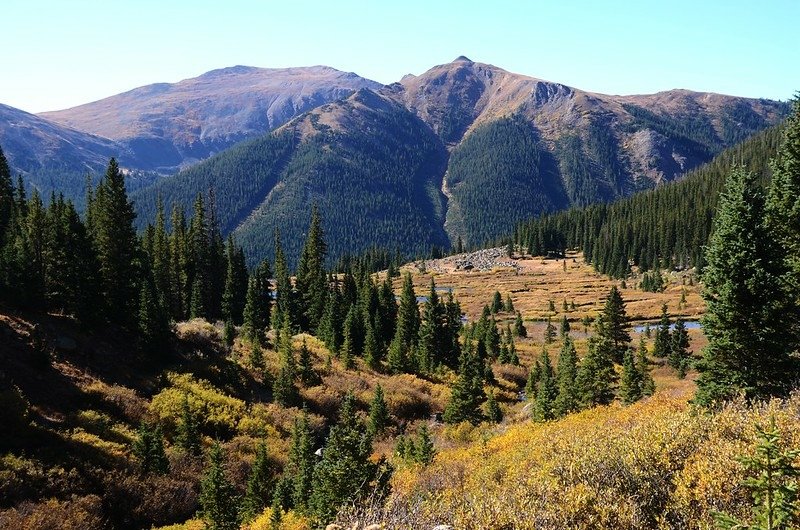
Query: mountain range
{"type": "Point", "coordinates": [463, 151]}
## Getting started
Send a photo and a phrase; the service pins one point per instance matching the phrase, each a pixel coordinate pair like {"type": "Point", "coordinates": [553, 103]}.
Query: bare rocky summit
{"type": "Point", "coordinates": [170, 125]}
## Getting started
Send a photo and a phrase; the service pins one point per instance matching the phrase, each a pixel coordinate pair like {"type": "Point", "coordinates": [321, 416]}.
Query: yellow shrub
{"type": "Point", "coordinates": [656, 464]}
{"type": "Point", "coordinates": [214, 408]}
{"type": "Point", "coordinates": [289, 521]}
{"type": "Point", "coordinates": [193, 524]}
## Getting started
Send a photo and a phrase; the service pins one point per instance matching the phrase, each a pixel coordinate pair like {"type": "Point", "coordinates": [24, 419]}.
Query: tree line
{"type": "Point", "coordinates": [662, 228]}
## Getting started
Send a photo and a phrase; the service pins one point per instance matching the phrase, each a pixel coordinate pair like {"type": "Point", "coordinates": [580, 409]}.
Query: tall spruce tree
{"type": "Point", "coordinates": [219, 503]}
{"type": "Point", "coordinates": [433, 333]}
{"type": "Point", "coordinates": [679, 357]}
{"type": "Point", "coordinates": [285, 303]}
{"type": "Point", "coordinates": [116, 244]}
{"type": "Point", "coordinates": [378, 413]}
{"type": "Point", "coordinates": [532, 382]}
{"type": "Point", "coordinates": [200, 254]}
{"type": "Point", "coordinates": [567, 398]}
{"type": "Point", "coordinates": [179, 265]}
{"type": "Point", "coordinates": [749, 307]}
{"type": "Point", "coordinates": [312, 282]}
{"type": "Point", "coordinates": [285, 391]}
{"type": "Point", "coordinates": [467, 393]}
{"type": "Point", "coordinates": [306, 372]}
{"type": "Point", "coordinates": [783, 201]}
{"type": "Point", "coordinates": [663, 341]}
{"type": "Point", "coordinates": [6, 197]}
{"type": "Point", "coordinates": [300, 464]}
{"type": "Point", "coordinates": [596, 374]}
{"type": "Point", "coordinates": [187, 436]}
{"type": "Point", "coordinates": [234, 296]}
{"type": "Point", "coordinates": [630, 387]}
{"type": "Point", "coordinates": [615, 323]}
{"type": "Point", "coordinates": [547, 390]}
{"type": "Point", "coordinates": [154, 328]}
{"type": "Point", "coordinates": [519, 326]}
{"type": "Point", "coordinates": [406, 331]}
{"type": "Point", "coordinates": [260, 485]}
{"type": "Point", "coordinates": [330, 327]}
{"type": "Point", "coordinates": [643, 365]}
{"type": "Point", "coordinates": [258, 303]}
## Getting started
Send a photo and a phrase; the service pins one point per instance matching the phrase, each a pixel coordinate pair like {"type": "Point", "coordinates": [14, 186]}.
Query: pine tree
{"type": "Point", "coordinates": [614, 323]}
{"type": "Point", "coordinates": [547, 390]}
{"type": "Point", "coordinates": [116, 244]}
{"type": "Point", "coordinates": [301, 461]}
{"type": "Point", "coordinates": [378, 413]}
{"type": "Point", "coordinates": [549, 332]}
{"type": "Point", "coordinates": [467, 393]}
{"type": "Point", "coordinates": [519, 326]}
{"type": "Point", "coordinates": [406, 331]}
{"type": "Point", "coordinates": [6, 198]}
{"type": "Point", "coordinates": [533, 380]}
{"type": "Point", "coordinates": [229, 334]}
{"type": "Point", "coordinates": [260, 485]}
{"type": "Point", "coordinates": [187, 436]}
{"type": "Point", "coordinates": [218, 499]}
{"type": "Point", "coordinates": [350, 346]}
{"type": "Point", "coordinates": [433, 333]}
{"type": "Point", "coordinates": [234, 296]}
{"type": "Point", "coordinates": [493, 412]}
{"type": "Point", "coordinates": [285, 303]}
{"type": "Point", "coordinates": [630, 388]}
{"type": "Point", "coordinates": [424, 450]}
{"type": "Point", "coordinates": [312, 282]}
{"type": "Point", "coordinates": [596, 371]}
{"type": "Point", "coordinates": [662, 343]}
{"type": "Point", "coordinates": [307, 375]}
{"type": "Point", "coordinates": [508, 307]}
{"type": "Point", "coordinates": [256, 358]}
{"type": "Point", "coordinates": [387, 314]}
{"type": "Point", "coordinates": [783, 201]}
{"type": "Point", "coordinates": [643, 365]}
{"type": "Point", "coordinates": [567, 398]}
{"type": "Point", "coordinates": [148, 448]}
{"type": "Point", "coordinates": [372, 350]}
{"type": "Point", "coordinates": [201, 261]}
{"type": "Point", "coordinates": [497, 303]}
{"type": "Point", "coordinates": [564, 328]}
{"type": "Point", "coordinates": [345, 472]}
{"type": "Point", "coordinates": [679, 349]}
{"type": "Point", "coordinates": [178, 265]}
{"type": "Point", "coordinates": [449, 344]}
{"type": "Point", "coordinates": [749, 307]}
{"type": "Point", "coordinates": [330, 327]}
{"type": "Point", "coordinates": [154, 329]}
{"type": "Point", "coordinates": [257, 308]}
{"type": "Point", "coordinates": [285, 392]}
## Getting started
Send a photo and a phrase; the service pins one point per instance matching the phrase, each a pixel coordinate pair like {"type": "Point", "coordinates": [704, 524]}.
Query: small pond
{"type": "Point", "coordinates": [690, 324]}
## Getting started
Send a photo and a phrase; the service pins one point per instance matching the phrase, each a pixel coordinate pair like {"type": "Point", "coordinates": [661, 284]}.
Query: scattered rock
{"type": "Point", "coordinates": [480, 260]}
{"type": "Point", "coordinates": [442, 527]}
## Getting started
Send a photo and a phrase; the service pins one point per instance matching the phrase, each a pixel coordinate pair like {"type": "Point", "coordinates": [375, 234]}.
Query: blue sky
{"type": "Point", "coordinates": [58, 54]}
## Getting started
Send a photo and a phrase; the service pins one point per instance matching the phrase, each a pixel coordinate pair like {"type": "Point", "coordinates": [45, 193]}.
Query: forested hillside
{"type": "Point", "coordinates": [663, 228]}
{"type": "Point", "coordinates": [464, 151]}
{"type": "Point", "coordinates": [374, 172]}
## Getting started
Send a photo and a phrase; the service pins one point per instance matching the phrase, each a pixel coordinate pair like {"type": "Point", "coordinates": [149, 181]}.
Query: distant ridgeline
{"type": "Point", "coordinates": [662, 228]}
